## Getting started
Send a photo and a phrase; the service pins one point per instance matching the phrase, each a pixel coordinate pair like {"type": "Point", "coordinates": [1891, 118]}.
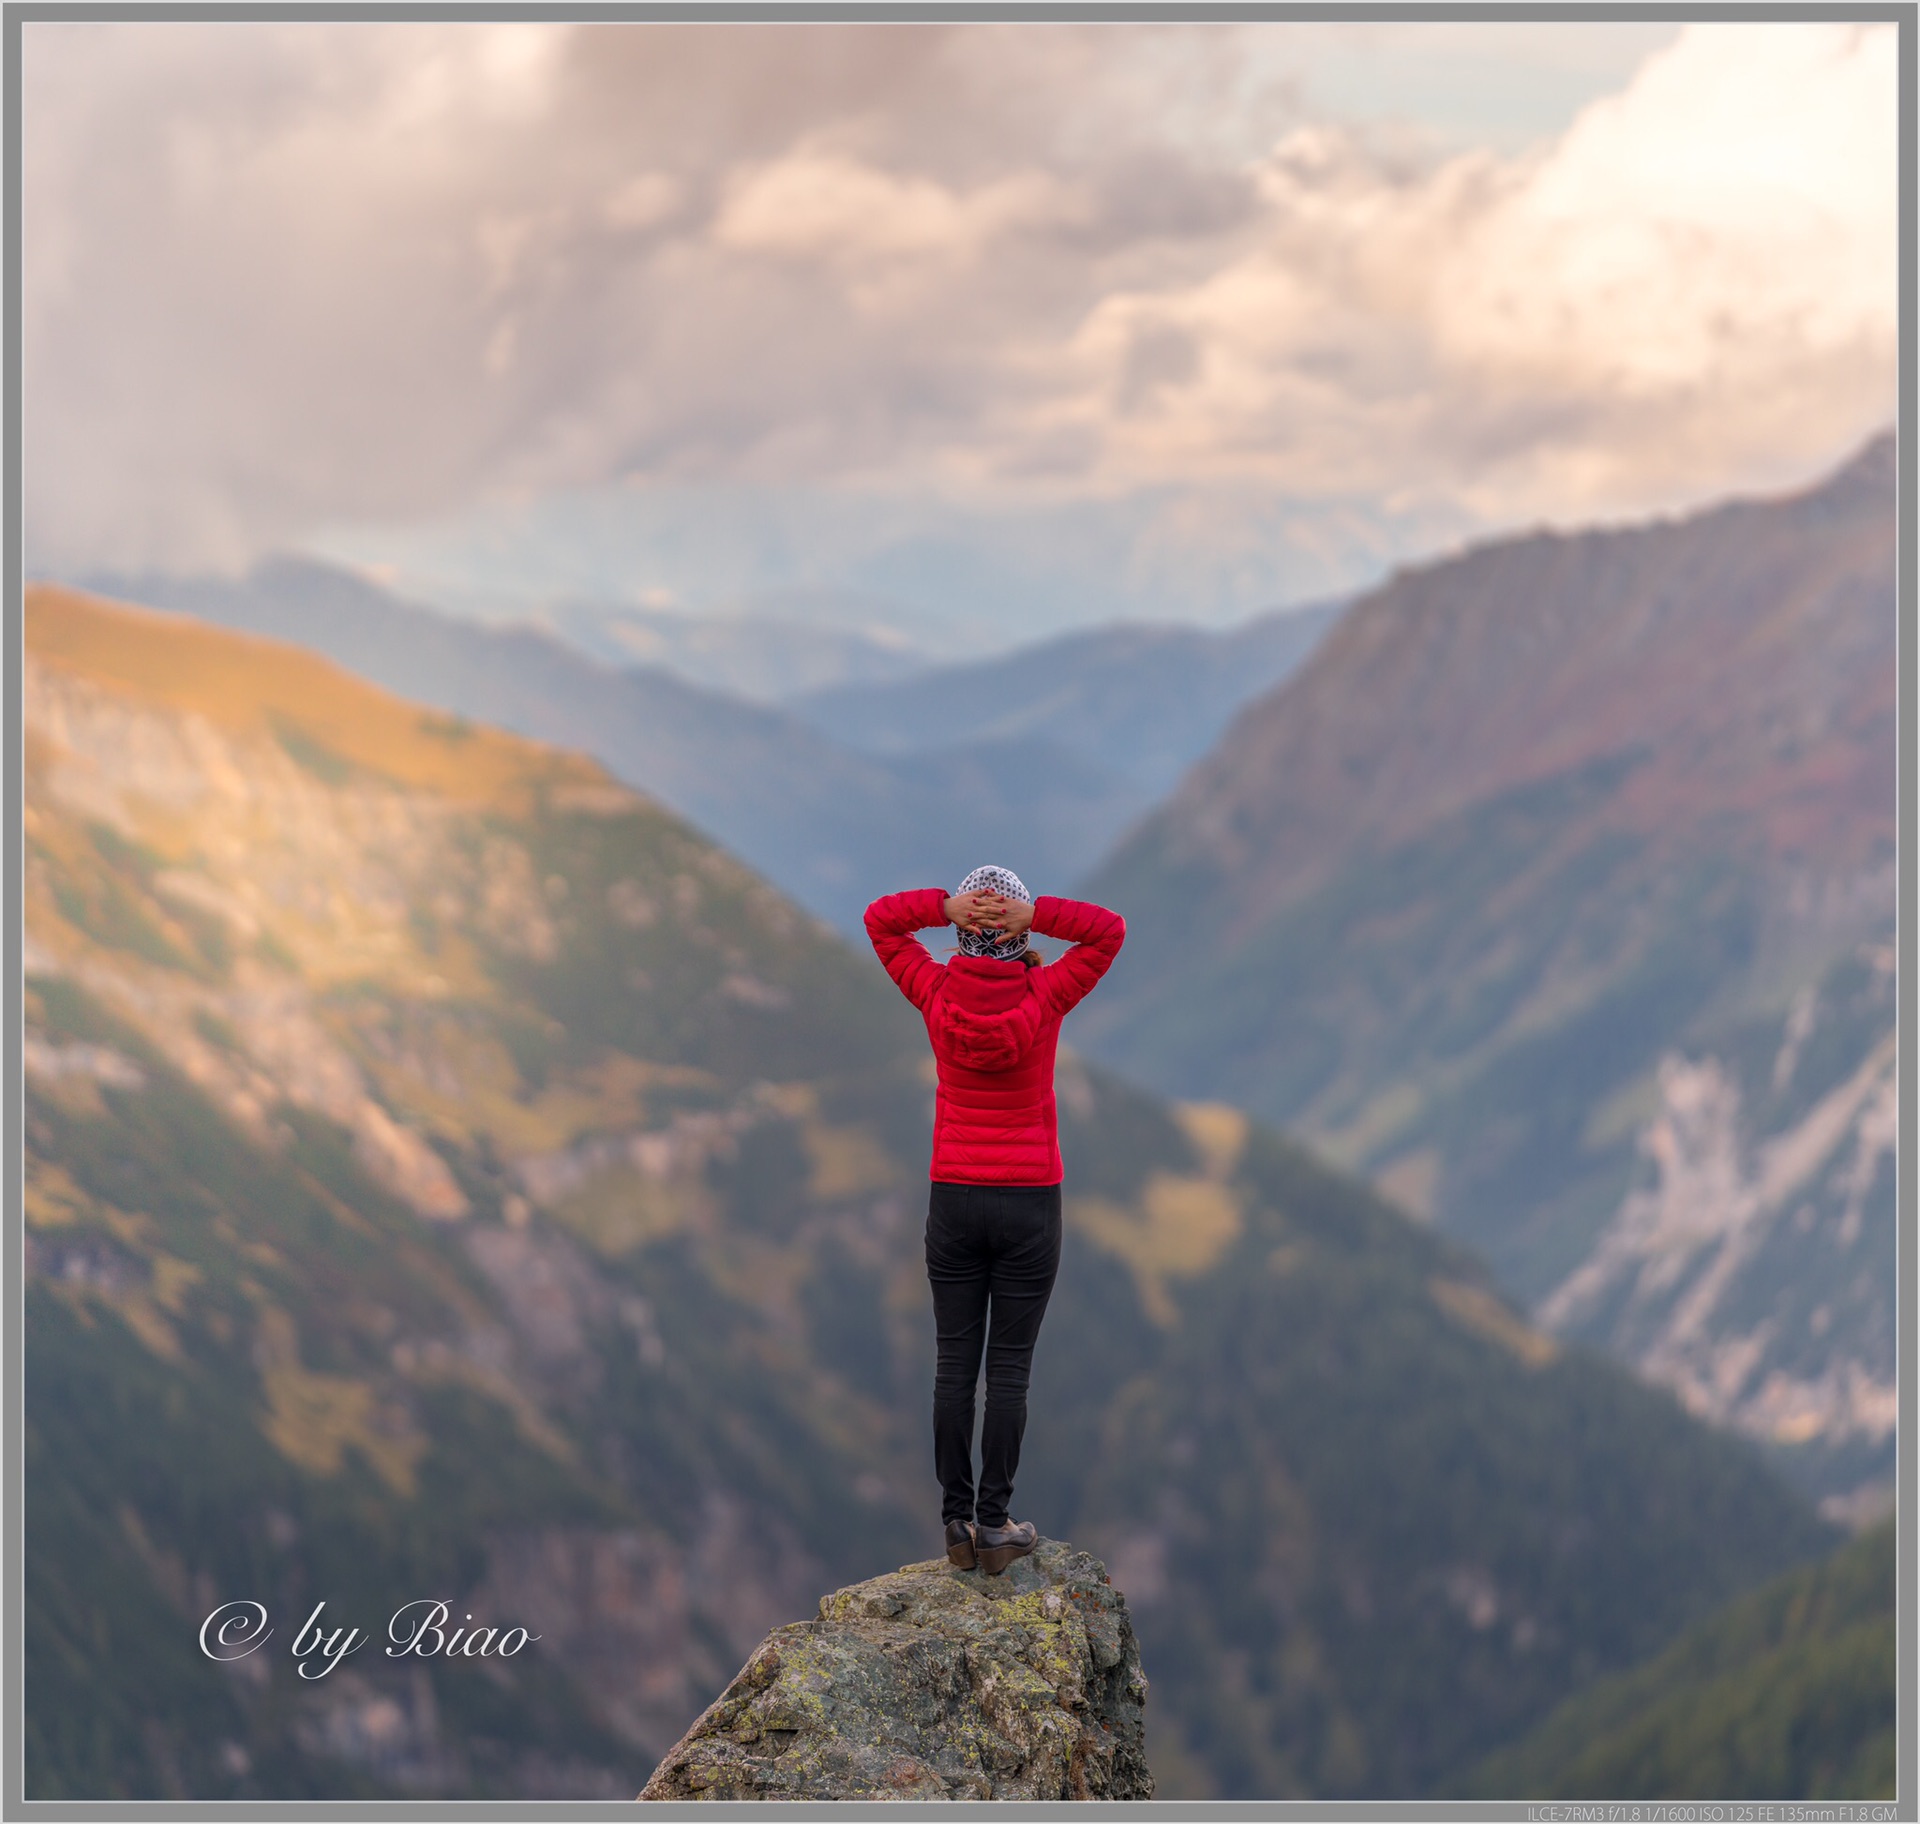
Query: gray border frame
{"type": "Point", "coordinates": [1904, 13]}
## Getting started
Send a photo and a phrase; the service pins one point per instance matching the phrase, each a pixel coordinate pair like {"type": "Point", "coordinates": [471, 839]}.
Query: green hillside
{"type": "Point", "coordinates": [1787, 1693]}
{"type": "Point", "coordinates": [451, 1178]}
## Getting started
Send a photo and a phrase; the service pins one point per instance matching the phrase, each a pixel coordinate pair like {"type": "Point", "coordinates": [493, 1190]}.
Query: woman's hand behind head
{"type": "Point", "coordinates": [1011, 916]}
{"type": "Point", "coordinates": [969, 910]}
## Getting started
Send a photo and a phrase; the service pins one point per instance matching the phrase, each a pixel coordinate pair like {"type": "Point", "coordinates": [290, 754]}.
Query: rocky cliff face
{"type": "Point", "coordinates": [934, 1683]}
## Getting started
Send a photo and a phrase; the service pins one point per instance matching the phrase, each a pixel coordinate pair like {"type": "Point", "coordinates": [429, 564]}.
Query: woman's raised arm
{"type": "Point", "coordinates": [1096, 936]}
{"type": "Point", "coordinates": [891, 921]}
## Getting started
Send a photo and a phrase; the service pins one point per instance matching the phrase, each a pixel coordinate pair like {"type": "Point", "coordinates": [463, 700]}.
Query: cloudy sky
{"type": "Point", "coordinates": [984, 328]}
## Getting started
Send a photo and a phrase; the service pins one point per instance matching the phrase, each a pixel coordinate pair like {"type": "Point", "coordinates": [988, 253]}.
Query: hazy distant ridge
{"type": "Point", "coordinates": [1140, 700]}
{"type": "Point", "coordinates": [1089, 731]}
{"type": "Point", "coordinates": [829, 825]}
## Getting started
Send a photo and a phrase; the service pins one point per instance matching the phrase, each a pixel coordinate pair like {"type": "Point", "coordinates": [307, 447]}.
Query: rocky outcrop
{"type": "Point", "coordinates": [935, 1683]}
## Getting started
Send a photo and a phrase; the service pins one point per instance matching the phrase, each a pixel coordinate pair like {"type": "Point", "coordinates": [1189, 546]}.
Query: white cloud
{"type": "Point", "coordinates": [282, 276]}
{"type": "Point", "coordinates": [821, 204]}
{"type": "Point", "coordinates": [642, 200]}
{"type": "Point", "coordinates": [1696, 282]}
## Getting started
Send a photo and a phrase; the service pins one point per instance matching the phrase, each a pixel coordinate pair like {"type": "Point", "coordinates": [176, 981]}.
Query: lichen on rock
{"type": "Point", "coordinates": [937, 1683]}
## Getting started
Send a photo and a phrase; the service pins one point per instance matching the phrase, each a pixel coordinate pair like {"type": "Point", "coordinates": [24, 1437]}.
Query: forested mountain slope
{"type": "Point", "coordinates": [451, 1177]}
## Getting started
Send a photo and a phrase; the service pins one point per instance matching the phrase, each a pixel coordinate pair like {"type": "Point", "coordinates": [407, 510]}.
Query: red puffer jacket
{"type": "Point", "coordinates": [994, 1026]}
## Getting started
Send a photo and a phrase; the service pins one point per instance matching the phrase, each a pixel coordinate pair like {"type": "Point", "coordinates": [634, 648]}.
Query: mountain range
{"type": "Point", "coordinates": [1140, 703]}
{"type": "Point", "coordinates": [814, 798]}
{"type": "Point", "coordinates": [763, 656]}
{"type": "Point", "coordinates": [450, 1177]}
{"type": "Point", "coordinates": [1555, 892]}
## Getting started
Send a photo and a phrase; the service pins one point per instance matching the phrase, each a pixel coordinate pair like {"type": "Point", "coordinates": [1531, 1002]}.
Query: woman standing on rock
{"type": "Point", "coordinates": [993, 1218]}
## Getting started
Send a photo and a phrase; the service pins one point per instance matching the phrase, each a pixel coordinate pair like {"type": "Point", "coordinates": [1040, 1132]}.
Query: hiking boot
{"type": "Point", "coordinates": [998, 1546]}
{"type": "Point", "coordinates": [960, 1544]}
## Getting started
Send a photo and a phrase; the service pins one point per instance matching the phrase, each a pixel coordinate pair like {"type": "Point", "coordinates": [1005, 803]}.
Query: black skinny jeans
{"type": "Point", "coordinates": [988, 1246]}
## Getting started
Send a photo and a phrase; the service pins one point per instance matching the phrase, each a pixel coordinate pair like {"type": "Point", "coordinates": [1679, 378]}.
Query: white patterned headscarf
{"type": "Point", "coordinates": [1010, 886]}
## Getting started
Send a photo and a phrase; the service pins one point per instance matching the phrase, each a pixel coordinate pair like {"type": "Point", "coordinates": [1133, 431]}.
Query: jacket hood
{"type": "Point", "coordinates": [988, 1015]}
